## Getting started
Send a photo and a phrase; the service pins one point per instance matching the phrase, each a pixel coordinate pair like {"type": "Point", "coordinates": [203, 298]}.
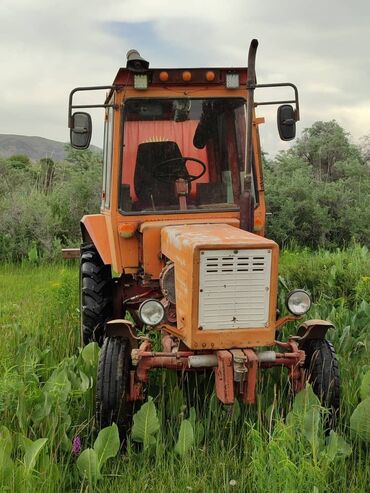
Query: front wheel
{"type": "Point", "coordinates": [112, 388]}
{"type": "Point", "coordinates": [322, 372]}
{"type": "Point", "coordinates": [95, 294]}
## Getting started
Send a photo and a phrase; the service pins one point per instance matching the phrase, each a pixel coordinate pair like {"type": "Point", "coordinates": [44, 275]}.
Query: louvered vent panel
{"type": "Point", "coordinates": [234, 288]}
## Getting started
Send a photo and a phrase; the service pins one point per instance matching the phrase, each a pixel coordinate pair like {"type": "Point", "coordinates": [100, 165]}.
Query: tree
{"type": "Point", "coordinates": [83, 160]}
{"type": "Point", "coordinates": [323, 146]}
{"type": "Point", "coordinates": [319, 191]}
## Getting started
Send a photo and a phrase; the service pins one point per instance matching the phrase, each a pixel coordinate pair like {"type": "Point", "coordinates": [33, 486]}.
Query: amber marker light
{"type": "Point", "coordinates": [210, 76]}
{"type": "Point", "coordinates": [163, 76]}
{"type": "Point", "coordinates": [127, 230]}
{"type": "Point", "coordinates": [186, 76]}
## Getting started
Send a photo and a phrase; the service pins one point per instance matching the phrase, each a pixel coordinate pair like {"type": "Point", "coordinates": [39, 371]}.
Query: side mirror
{"type": "Point", "coordinates": [81, 130]}
{"type": "Point", "coordinates": [286, 122]}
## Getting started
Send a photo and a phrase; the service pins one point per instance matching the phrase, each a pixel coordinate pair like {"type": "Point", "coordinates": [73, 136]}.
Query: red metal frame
{"type": "Point", "coordinates": [144, 359]}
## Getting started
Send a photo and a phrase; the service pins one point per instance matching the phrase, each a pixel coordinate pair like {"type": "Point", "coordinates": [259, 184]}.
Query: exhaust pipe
{"type": "Point", "coordinates": [246, 198]}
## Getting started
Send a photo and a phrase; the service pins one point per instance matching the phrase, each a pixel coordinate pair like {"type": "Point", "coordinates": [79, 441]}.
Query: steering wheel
{"type": "Point", "coordinates": [165, 173]}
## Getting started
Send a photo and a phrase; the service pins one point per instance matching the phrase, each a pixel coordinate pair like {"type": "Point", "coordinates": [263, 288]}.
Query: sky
{"type": "Point", "coordinates": [48, 47]}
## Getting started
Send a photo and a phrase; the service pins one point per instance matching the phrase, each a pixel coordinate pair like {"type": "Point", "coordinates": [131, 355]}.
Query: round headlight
{"type": "Point", "coordinates": [151, 312]}
{"type": "Point", "coordinates": [298, 302]}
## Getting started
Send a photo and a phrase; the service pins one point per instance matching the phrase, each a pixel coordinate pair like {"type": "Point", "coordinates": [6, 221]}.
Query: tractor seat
{"type": "Point", "coordinates": [150, 190]}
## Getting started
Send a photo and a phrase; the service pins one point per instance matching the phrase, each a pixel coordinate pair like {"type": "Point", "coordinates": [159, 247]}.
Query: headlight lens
{"type": "Point", "coordinates": [151, 312]}
{"type": "Point", "coordinates": [298, 302]}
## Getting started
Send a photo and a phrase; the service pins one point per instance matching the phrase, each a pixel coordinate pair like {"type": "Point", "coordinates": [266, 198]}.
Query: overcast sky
{"type": "Point", "coordinates": [47, 47]}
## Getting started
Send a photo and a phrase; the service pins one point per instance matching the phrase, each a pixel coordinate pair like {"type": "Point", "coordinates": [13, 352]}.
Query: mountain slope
{"type": "Point", "coordinates": [33, 147]}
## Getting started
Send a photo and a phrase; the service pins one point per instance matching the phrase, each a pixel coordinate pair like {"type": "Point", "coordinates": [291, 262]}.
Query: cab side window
{"type": "Point", "coordinates": [107, 158]}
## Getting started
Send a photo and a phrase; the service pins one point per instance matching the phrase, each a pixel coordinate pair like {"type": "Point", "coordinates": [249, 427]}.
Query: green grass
{"type": "Point", "coordinates": [243, 449]}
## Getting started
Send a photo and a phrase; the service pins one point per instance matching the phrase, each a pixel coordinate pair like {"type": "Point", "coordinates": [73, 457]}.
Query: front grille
{"type": "Point", "coordinates": [234, 288]}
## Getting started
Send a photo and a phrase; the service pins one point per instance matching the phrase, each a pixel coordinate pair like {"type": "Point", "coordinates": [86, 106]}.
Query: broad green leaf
{"type": "Point", "coordinates": [65, 421]}
{"type": "Point", "coordinates": [32, 451]}
{"type": "Point", "coordinates": [85, 382]}
{"type": "Point", "coordinates": [146, 424]}
{"type": "Point", "coordinates": [6, 467]}
{"type": "Point", "coordinates": [90, 354]}
{"type": "Point", "coordinates": [186, 438]}
{"type": "Point", "coordinates": [88, 465]}
{"type": "Point", "coordinates": [365, 386]}
{"type": "Point", "coordinates": [6, 441]}
{"type": "Point", "coordinates": [304, 400]}
{"type": "Point", "coordinates": [360, 420]}
{"type": "Point", "coordinates": [22, 411]}
{"type": "Point", "coordinates": [199, 432]}
{"type": "Point", "coordinates": [58, 386]}
{"type": "Point", "coordinates": [42, 408]}
{"type": "Point", "coordinates": [198, 427]}
{"type": "Point", "coordinates": [311, 424]}
{"type": "Point", "coordinates": [65, 442]}
{"type": "Point", "coordinates": [6, 446]}
{"type": "Point", "coordinates": [175, 402]}
{"type": "Point", "coordinates": [192, 416]}
{"type": "Point", "coordinates": [337, 447]}
{"type": "Point", "coordinates": [107, 444]}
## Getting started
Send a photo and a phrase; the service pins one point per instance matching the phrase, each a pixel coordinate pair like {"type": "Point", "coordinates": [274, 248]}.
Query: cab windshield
{"type": "Point", "coordinates": [182, 154]}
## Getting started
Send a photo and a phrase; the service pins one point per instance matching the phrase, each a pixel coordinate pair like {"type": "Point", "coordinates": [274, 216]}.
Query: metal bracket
{"type": "Point", "coordinates": [72, 106]}
{"type": "Point", "coordinates": [281, 84]}
{"type": "Point", "coordinates": [224, 381]}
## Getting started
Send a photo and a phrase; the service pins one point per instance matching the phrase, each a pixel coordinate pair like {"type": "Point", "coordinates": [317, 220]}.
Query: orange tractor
{"type": "Point", "coordinates": [179, 245]}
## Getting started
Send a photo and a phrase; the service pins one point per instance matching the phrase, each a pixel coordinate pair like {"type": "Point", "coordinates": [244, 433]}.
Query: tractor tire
{"type": "Point", "coordinates": [322, 372]}
{"type": "Point", "coordinates": [112, 388]}
{"type": "Point", "coordinates": [95, 294]}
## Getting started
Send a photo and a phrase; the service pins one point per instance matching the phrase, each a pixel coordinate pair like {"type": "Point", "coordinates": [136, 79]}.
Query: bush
{"type": "Point", "coordinates": [319, 191]}
{"type": "Point", "coordinates": [41, 205]}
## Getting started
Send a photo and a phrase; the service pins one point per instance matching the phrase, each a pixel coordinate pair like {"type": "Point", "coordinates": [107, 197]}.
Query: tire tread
{"type": "Point", "coordinates": [95, 292]}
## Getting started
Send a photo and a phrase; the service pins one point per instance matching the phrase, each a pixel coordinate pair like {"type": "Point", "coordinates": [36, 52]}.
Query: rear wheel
{"type": "Point", "coordinates": [95, 294]}
{"type": "Point", "coordinates": [322, 372]}
{"type": "Point", "coordinates": [112, 388]}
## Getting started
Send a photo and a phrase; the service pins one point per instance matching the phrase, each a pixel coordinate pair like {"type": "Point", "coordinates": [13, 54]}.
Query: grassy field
{"type": "Point", "coordinates": [47, 392]}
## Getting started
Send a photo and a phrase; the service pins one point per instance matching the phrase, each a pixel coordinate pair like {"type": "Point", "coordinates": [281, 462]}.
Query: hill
{"type": "Point", "coordinates": [33, 147]}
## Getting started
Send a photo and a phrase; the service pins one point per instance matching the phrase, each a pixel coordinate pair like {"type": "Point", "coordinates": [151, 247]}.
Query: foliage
{"type": "Point", "coordinates": [306, 417]}
{"type": "Point", "coordinates": [44, 379]}
{"type": "Point", "coordinates": [146, 425]}
{"type": "Point", "coordinates": [360, 422]}
{"type": "Point", "coordinates": [41, 203]}
{"type": "Point", "coordinates": [186, 438]}
{"type": "Point", "coordinates": [340, 275]}
{"type": "Point", "coordinates": [91, 461]}
{"type": "Point", "coordinates": [318, 192]}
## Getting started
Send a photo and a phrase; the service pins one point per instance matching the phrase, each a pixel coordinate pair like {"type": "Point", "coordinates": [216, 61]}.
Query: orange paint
{"type": "Point", "coordinates": [182, 245]}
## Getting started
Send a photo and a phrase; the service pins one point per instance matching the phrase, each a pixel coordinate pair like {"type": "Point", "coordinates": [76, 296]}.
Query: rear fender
{"type": "Point", "coordinates": [122, 328]}
{"type": "Point", "coordinates": [313, 329]}
{"type": "Point", "coordinates": [94, 228]}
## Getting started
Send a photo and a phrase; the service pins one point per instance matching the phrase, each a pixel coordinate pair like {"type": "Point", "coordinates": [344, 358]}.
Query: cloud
{"type": "Point", "coordinates": [47, 48]}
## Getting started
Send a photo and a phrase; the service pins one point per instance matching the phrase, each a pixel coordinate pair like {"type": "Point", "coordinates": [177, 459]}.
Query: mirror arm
{"type": "Point", "coordinates": [71, 106]}
{"type": "Point", "coordinates": [282, 84]}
